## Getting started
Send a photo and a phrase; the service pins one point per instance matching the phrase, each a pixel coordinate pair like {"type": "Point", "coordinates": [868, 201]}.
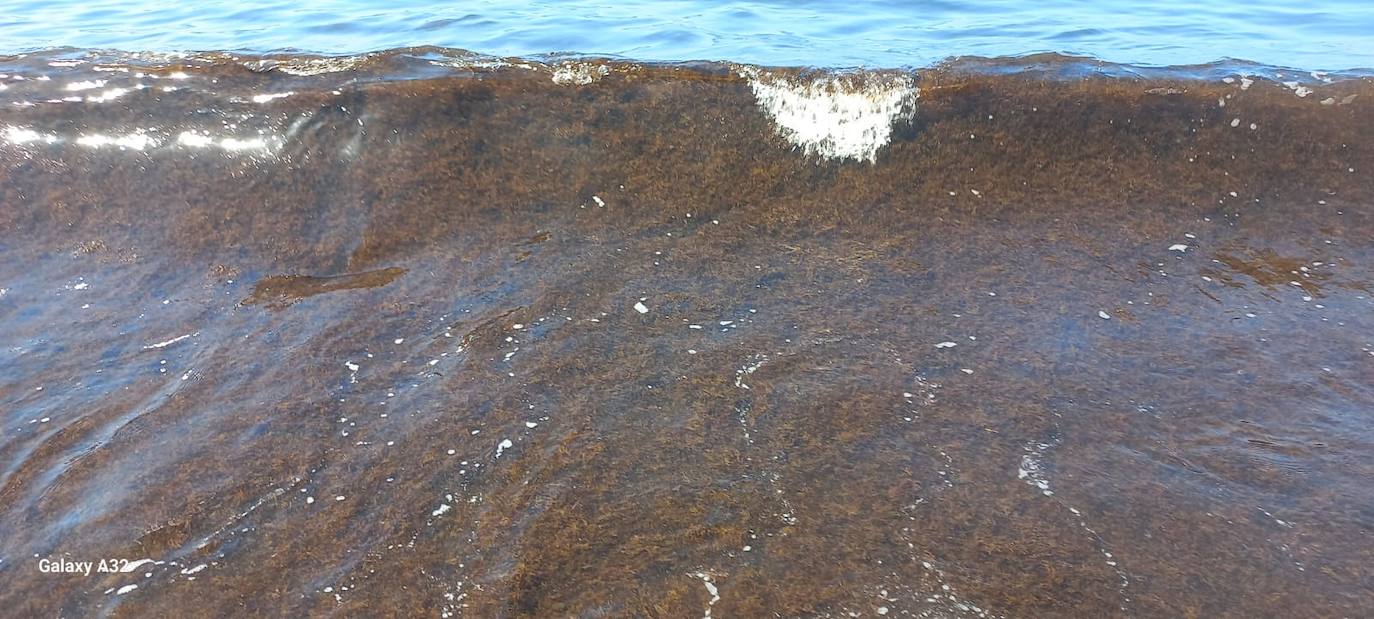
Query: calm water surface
{"type": "Point", "coordinates": [1325, 34]}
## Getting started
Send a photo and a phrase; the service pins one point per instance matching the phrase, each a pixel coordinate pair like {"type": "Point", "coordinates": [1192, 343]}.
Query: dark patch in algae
{"type": "Point", "coordinates": [279, 291]}
{"type": "Point", "coordinates": [1203, 451]}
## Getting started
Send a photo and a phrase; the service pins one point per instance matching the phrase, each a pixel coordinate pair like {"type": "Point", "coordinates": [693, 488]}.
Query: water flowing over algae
{"type": "Point", "coordinates": [428, 334]}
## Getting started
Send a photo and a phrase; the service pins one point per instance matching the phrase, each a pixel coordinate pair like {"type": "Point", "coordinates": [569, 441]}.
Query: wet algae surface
{"type": "Point", "coordinates": [433, 336]}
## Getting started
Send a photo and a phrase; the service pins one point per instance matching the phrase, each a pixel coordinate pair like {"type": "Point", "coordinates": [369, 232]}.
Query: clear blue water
{"type": "Point", "coordinates": [1319, 34]}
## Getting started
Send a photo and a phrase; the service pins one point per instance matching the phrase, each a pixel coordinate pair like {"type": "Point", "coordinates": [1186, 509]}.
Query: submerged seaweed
{"type": "Point", "coordinates": [425, 333]}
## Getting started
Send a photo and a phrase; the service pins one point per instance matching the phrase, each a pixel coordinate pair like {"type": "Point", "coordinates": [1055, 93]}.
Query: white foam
{"type": "Point", "coordinates": [236, 144]}
{"type": "Point", "coordinates": [167, 343]}
{"type": "Point", "coordinates": [1298, 89]}
{"type": "Point", "coordinates": [1032, 468]}
{"type": "Point", "coordinates": [711, 589]}
{"type": "Point", "coordinates": [133, 565]}
{"type": "Point", "coordinates": [135, 141]}
{"type": "Point", "coordinates": [835, 117]}
{"type": "Point", "coordinates": [747, 369]}
{"type": "Point", "coordinates": [264, 98]}
{"type": "Point", "coordinates": [317, 66]}
{"type": "Point", "coordinates": [86, 85]}
{"type": "Point", "coordinates": [201, 140]}
{"type": "Point", "coordinates": [579, 73]}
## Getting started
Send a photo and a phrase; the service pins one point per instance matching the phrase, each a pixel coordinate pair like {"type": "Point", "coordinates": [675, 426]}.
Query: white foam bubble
{"type": "Point", "coordinates": [579, 73]}
{"type": "Point", "coordinates": [838, 116]}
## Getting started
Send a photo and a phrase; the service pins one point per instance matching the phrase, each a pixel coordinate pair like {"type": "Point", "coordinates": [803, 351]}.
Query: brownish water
{"type": "Point", "coordinates": [1081, 340]}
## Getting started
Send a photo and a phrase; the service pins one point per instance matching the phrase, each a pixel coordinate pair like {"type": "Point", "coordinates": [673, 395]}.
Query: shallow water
{"type": "Point", "coordinates": [1317, 35]}
{"type": "Point", "coordinates": [429, 333]}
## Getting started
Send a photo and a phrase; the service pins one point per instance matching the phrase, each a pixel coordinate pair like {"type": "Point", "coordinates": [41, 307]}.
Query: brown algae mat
{"type": "Point", "coordinates": [418, 334]}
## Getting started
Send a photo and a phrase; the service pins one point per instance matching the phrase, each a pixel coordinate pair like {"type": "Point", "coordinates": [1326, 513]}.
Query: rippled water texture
{"type": "Point", "coordinates": [431, 334]}
{"type": "Point", "coordinates": [1322, 34]}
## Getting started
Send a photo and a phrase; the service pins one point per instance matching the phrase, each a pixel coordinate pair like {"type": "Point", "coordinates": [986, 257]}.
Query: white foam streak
{"type": "Point", "coordinates": [235, 144]}
{"type": "Point", "coordinates": [135, 141]}
{"type": "Point", "coordinates": [264, 98]}
{"type": "Point", "coordinates": [86, 85]}
{"type": "Point", "coordinates": [194, 139]}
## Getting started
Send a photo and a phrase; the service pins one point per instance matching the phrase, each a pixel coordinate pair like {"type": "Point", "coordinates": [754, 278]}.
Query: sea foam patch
{"type": "Point", "coordinates": [578, 73]}
{"type": "Point", "coordinates": [836, 116]}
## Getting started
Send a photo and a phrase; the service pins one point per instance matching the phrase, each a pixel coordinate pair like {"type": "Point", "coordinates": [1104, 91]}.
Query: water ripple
{"type": "Point", "coordinates": [1327, 34]}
